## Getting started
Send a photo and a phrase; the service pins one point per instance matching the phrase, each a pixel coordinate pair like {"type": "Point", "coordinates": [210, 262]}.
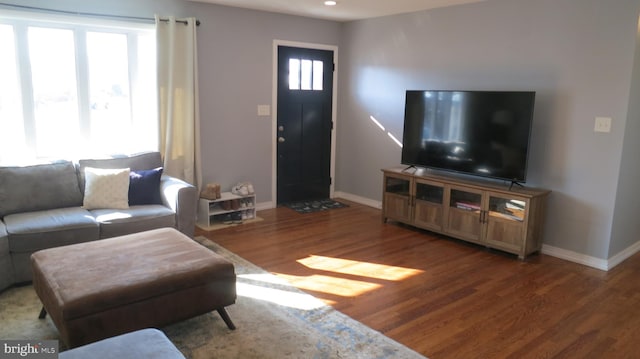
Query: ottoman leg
{"type": "Point", "coordinates": [43, 313]}
{"type": "Point", "coordinates": [227, 320]}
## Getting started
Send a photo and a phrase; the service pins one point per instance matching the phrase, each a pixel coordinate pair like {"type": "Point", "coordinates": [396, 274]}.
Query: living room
{"type": "Point", "coordinates": [485, 45]}
{"type": "Point", "coordinates": [579, 56]}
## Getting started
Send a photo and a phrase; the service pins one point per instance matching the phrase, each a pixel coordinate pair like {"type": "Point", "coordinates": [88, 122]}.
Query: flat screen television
{"type": "Point", "coordinates": [480, 133]}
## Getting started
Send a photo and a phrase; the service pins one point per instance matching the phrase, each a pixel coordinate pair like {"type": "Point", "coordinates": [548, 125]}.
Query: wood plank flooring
{"type": "Point", "coordinates": [442, 297]}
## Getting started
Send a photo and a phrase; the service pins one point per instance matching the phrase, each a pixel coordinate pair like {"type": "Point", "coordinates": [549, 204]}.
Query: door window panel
{"type": "Point", "coordinates": [294, 74]}
{"type": "Point", "coordinates": [318, 75]}
{"type": "Point", "coordinates": [306, 74]}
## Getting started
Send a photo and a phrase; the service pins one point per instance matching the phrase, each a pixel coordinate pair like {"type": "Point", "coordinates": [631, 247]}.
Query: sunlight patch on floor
{"type": "Point", "coordinates": [359, 268]}
{"type": "Point", "coordinates": [274, 288]}
{"type": "Point", "coordinates": [249, 285]}
{"type": "Point", "coordinates": [331, 285]}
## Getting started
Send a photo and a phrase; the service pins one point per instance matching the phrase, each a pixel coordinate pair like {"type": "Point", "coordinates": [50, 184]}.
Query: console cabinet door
{"type": "Point", "coordinates": [505, 222]}
{"type": "Point", "coordinates": [464, 214]}
{"type": "Point", "coordinates": [397, 199]}
{"type": "Point", "coordinates": [429, 200]}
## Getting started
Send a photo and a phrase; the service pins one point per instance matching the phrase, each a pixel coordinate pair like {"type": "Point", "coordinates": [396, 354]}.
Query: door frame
{"type": "Point", "coordinates": [274, 113]}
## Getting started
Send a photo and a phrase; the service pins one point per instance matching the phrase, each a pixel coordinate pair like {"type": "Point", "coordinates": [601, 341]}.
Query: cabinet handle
{"type": "Point", "coordinates": [483, 216]}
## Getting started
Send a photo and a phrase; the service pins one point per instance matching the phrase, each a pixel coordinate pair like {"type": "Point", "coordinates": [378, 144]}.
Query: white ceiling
{"type": "Point", "coordinates": [345, 10]}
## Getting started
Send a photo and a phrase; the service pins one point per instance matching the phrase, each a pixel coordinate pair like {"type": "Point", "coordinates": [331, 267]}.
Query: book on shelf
{"type": "Point", "coordinates": [468, 206]}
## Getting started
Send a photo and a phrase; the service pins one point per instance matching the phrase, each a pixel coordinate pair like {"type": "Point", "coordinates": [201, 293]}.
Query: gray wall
{"type": "Point", "coordinates": [576, 54]}
{"type": "Point", "coordinates": [626, 225]}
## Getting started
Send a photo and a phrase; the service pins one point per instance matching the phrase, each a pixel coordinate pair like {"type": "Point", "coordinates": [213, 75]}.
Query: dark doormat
{"type": "Point", "coordinates": [314, 206]}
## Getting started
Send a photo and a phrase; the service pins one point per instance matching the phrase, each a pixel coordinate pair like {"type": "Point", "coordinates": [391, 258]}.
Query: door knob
{"type": "Point", "coordinates": [280, 139]}
{"type": "Point", "coordinates": [281, 128]}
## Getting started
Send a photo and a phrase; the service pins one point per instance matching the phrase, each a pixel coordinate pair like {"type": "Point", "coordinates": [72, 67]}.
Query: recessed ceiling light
{"type": "Point", "coordinates": [330, 3]}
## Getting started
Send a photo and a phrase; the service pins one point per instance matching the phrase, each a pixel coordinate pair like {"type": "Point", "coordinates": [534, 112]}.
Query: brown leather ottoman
{"type": "Point", "coordinates": [112, 286]}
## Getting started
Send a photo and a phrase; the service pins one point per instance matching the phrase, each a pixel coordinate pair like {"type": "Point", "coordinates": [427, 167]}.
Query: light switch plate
{"type": "Point", "coordinates": [264, 110]}
{"type": "Point", "coordinates": [603, 124]}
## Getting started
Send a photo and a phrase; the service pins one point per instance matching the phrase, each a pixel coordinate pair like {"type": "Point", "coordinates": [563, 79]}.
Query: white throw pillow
{"type": "Point", "coordinates": [106, 188]}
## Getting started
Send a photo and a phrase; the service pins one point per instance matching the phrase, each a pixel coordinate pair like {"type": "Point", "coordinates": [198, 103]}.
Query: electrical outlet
{"type": "Point", "coordinates": [603, 124]}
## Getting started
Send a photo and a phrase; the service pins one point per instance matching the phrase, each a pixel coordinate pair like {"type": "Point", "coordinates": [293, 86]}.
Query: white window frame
{"type": "Point", "coordinates": [80, 26]}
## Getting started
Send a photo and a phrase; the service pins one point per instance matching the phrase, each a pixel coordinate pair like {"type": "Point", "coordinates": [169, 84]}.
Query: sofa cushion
{"type": "Point", "coordinates": [133, 220]}
{"type": "Point", "coordinates": [40, 187]}
{"type": "Point", "coordinates": [137, 162]}
{"type": "Point", "coordinates": [32, 231]}
{"type": "Point", "coordinates": [106, 188]}
{"type": "Point", "coordinates": [144, 343]}
{"type": "Point", "coordinates": [144, 187]}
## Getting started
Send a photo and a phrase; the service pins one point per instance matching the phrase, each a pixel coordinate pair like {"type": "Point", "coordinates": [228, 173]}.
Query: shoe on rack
{"type": "Point", "coordinates": [242, 189]}
{"type": "Point", "coordinates": [236, 217]}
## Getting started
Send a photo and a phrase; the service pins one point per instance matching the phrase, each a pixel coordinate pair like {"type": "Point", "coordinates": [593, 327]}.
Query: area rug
{"type": "Point", "coordinates": [314, 206]}
{"type": "Point", "coordinates": [273, 320]}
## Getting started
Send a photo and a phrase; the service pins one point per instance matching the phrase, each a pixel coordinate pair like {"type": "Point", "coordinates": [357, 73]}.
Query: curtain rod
{"type": "Point", "coordinates": [25, 7]}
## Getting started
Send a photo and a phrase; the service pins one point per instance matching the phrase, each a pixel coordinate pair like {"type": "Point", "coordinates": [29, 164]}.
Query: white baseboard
{"type": "Point", "coordinates": [575, 257]}
{"type": "Point", "coordinates": [265, 205]}
{"type": "Point", "coordinates": [602, 264]}
{"type": "Point", "coordinates": [624, 254]}
{"type": "Point", "coordinates": [358, 199]}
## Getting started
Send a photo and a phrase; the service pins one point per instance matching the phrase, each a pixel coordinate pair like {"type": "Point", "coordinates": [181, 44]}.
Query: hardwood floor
{"type": "Point", "coordinates": [442, 297]}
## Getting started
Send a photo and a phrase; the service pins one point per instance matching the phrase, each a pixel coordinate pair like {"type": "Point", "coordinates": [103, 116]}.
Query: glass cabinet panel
{"type": "Point", "coordinates": [398, 186]}
{"type": "Point", "coordinates": [507, 208]}
{"type": "Point", "coordinates": [465, 200]}
{"type": "Point", "coordinates": [429, 193]}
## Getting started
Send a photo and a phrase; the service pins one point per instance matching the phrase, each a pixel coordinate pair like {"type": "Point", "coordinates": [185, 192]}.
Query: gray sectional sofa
{"type": "Point", "coordinates": [41, 207]}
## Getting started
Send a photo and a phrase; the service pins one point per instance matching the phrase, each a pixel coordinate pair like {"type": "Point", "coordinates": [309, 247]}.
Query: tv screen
{"type": "Point", "coordinates": [482, 133]}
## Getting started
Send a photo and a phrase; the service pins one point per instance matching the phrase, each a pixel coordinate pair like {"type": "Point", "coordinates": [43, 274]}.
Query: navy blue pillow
{"type": "Point", "coordinates": [144, 187]}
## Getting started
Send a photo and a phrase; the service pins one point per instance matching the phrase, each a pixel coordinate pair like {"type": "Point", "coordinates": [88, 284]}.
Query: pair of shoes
{"type": "Point", "coordinates": [211, 191]}
{"type": "Point", "coordinates": [228, 218]}
{"type": "Point", "coordinates": [243, 189]}
{"type": "Point", "coordinates": [236, 217]}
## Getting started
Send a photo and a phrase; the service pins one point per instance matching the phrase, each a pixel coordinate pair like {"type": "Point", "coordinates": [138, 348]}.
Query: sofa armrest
{"type": "Point", "coordinates": [7, 276]}
{"type": "Point", "coordinates": [182, 198]}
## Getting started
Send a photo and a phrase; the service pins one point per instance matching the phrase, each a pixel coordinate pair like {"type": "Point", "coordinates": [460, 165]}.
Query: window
{"type": "Point", "coordinates": [305, 74]}
{"type": "Point", "coordinates": [72, 88]}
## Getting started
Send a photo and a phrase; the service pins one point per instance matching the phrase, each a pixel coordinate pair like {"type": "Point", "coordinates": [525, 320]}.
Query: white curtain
{"type": "Point", "coordinates": [178, 106]}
